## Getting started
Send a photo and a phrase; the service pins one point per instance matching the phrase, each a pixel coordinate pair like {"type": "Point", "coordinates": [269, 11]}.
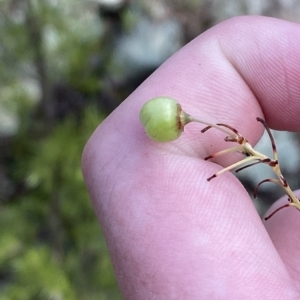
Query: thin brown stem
{"type": "Point", "coordinates": [266, 160]}
{"type": "Point", "coordinates": [209, 126]}
{"type": "Point", "coordinates": [263, 181]}
{"type": "Point", "coordinates": [275, 155]}
{"type": "Point", "coordinates": [276, 210]}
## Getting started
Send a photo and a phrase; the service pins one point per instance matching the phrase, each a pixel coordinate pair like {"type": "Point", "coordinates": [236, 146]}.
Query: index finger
{"type": "Point", "coordinates": [162, 219]}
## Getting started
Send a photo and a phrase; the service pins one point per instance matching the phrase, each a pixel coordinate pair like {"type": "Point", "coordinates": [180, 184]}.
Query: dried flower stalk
{"type": "Point", "coordinates": [253, 157]}
{"type": "Point", "coordinates": [164, 120]}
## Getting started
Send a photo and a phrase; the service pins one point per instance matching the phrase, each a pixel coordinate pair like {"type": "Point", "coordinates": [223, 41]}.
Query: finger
{"type": "Point", "coordinates": [161, 218]}
{"type": "Point", "coordinates": [283, 230]}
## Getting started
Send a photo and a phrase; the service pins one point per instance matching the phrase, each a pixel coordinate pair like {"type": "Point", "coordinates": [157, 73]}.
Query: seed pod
{"type": "Point", "coordinates": [163, 119]}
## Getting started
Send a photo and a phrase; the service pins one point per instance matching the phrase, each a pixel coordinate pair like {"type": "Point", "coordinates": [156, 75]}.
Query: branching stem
{"type": "Point", "coordinates": [253, 157]}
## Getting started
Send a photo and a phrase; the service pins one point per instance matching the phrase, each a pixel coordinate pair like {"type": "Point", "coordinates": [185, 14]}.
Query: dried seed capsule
{"type": "Point", "coordinates": [163, 119]}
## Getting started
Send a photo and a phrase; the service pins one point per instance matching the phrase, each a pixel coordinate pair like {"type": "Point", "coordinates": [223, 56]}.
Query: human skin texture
{"type": "Point", "coordinates": [171, 233]}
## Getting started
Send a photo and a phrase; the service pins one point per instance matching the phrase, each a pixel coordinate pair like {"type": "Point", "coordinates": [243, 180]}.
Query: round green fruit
{"type": "Point", "coordinates": [163, 119]}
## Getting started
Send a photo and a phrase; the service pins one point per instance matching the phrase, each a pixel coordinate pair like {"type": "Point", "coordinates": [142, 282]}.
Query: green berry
{"type": "Point", "coordinates": [163, 119]}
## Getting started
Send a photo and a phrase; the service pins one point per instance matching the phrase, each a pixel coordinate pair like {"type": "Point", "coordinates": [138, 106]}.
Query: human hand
{"type": "Point", "coordinates": [171, 233]}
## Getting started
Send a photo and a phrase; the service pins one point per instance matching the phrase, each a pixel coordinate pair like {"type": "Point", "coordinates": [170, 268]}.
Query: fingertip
{"type": "Point", "coordinates": [282, 220]}
{"type": "Point", "coordinates": [282, 228]}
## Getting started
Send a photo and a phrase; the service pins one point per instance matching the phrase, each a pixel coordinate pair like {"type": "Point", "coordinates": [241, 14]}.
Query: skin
{"type": "Point", "coordinates": [171, 233]}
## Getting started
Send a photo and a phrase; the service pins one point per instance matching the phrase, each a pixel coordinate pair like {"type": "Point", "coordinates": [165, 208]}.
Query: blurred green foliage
{"type": "Point", "coordinates": [51, 245]}
{"type": "Point", "coordinates": [50, 242]}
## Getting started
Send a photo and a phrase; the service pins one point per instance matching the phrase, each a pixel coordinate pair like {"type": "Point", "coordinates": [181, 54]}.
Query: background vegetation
{"type": "Point", "coordinates": [64, 65]}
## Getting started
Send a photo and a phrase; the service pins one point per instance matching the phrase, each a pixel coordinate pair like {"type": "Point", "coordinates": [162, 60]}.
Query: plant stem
{"type": "Point", "coordinates": [251, 155]}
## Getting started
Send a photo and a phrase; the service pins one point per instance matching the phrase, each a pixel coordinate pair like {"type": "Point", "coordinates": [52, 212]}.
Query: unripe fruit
{"type": "Point", "coordinates": [163, 119]}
